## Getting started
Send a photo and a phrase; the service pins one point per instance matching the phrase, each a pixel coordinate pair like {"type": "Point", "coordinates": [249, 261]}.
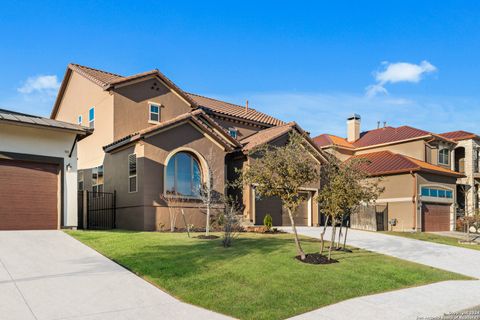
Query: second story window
{"type": "Point", "coordinates": [132, 172]}
{"type": "Point", "coordinates": [80, 120]}
{"type": "Point", "coordinates": [443, 156]}
{"type": "Point", "coordinates": [154, 113]}
{"type": "Point", "coordinates": [91, 117]}
{"type": "Point", "coordinates": [233, 132]}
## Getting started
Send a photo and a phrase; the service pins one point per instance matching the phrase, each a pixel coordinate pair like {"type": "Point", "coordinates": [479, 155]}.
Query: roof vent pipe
{"type": "Point", "coordinates": [246, 106]}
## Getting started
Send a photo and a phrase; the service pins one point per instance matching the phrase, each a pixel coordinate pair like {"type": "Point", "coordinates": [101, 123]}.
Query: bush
{"type": "Point", "coordinates": [268, 222]}
{"type": "Point", "coordinates": [472, 221]}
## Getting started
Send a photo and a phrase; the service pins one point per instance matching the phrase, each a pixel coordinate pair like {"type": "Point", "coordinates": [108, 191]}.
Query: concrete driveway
{"type": "Point", "coordinates": [49, 275]}
{"type": "Point", "coordinates": [424, 301]}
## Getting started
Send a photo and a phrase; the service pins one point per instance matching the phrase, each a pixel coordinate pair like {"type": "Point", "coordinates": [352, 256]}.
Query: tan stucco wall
{"type": "Point", "coordinates": [145, 209]}
{"type": "Point", "coordinates": [80, 95]}
{"type": "Point", "coordinates": [131, 112]}
{"type": "Point", "coordinates": [399, 196]}
{"type": "Point", "coordinates": [414, 149]}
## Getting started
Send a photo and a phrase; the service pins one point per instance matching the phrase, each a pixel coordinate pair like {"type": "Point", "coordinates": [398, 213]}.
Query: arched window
{"type": "Point", "coordinates": [183, 175]}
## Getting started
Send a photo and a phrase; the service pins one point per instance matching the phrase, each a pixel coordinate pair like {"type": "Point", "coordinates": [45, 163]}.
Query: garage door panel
{"type": "Point", "coordinates": [28, 195]}
{"type": "Point", "coordinates": [435, 217]}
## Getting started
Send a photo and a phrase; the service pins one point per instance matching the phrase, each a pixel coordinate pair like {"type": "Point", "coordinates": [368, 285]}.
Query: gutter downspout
{"type": "Point", "coordinates": [415, 200]}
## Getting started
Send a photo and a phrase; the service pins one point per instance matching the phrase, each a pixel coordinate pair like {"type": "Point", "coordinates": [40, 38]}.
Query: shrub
{"type": "Point", "coordinates": [268, 222]}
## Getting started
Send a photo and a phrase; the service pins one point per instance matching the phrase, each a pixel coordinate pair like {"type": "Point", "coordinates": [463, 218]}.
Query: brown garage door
{"type": "Point", "coordinates": [435, 217]}
{"type": "Point", "coordinates": [28, 195]}
{"type": "Point", "coordinates": [273, 206]}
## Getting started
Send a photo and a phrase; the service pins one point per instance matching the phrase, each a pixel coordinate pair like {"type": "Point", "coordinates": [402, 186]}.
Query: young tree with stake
{"type": "Point", "coordinates": [345, 186]}
{"type": "Point", "coordinates": [282, 171]}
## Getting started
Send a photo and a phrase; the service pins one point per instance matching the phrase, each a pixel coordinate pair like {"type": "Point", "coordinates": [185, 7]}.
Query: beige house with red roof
{"type": "Point", "coordinates": [150, 139]}
{"type": "Point", "coordinates": [417, 170]}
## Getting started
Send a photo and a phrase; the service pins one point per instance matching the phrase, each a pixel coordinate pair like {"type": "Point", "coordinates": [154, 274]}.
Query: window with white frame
{"type": "Point", "coordinates": [80, 120]}
{"type": "Point", "coordinates": [132, 172]}
{"type": "Point", "coordinates": [91, 117]}
{"type": "Point", "coordinates": [80, 180]}
{"type": "Point", "coordinates": [154, 112]}
{"type": "Point", "coordinates": [233, 132]}
{"type": "Point", "coordinates": [443, 156]}
{"type": "Point", "coordinates": [97, 179]}
{"type": "Point", "coordinates": [437, 193]}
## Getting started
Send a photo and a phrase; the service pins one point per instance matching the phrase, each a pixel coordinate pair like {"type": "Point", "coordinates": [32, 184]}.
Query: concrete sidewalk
{"type": "Point", "coordinates": [49, 275]}
{"type": "Point", "coordinates": [425, 301]}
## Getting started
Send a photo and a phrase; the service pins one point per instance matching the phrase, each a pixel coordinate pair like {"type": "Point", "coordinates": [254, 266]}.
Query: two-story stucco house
{"type": "Point", "coordinates": [153, 139]}
{"type": "Point", "coordinates": [416, 170]}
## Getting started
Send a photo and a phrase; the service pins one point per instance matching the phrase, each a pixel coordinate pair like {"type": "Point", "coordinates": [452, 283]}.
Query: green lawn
{"type": "Point", "coordinates": [257, 278]}
{"type": "Point", "coordinates": [431, 237]}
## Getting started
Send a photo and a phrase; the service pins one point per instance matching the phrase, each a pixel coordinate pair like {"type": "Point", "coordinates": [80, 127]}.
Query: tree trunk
{"type": "Point", "coordinates": [207, 226]}
{"type": "Point", "coordinates": [332, 239]}
{"type": "Point", "coordinates": [297, 241]}
{"type": "Point", "coordinates": [185, 222]}
{"type": "Point", "coordinates": [322, 234]}
{"type": "Point", "coordinates": [345, 239]}
{"type": "Point", "coordinates": [339, 234]}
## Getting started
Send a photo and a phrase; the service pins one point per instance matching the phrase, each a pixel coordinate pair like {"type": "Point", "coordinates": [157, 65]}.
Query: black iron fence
{"type": "Point", "coordinates": [101, 210]}
{"type": "Point", "coordinates": [97, 209]}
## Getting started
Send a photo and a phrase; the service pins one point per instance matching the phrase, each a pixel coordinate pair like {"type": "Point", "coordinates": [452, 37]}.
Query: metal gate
{"type": "Point", "coordinates": [80, 210]}
{"type": "Point", "coordinates": [99, 210]}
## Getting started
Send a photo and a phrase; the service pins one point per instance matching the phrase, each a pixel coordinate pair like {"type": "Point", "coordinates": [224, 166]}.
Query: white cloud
{"type": "Point", "coordinates": [41, 84]}
{"type": "Point", "coordinates": [398, 72]}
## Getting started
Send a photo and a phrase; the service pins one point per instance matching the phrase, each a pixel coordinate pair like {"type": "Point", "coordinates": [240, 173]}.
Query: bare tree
{"type": "Point", "coordinates": [210, 198]}
{"type": "Point", "coordinates": [174, 202]}
{"type": "Point", "coordinates": [282, 171]}
{"type": "Point", "coordinates": [230, 221]}
{"type": "Point", "coordinates": [345, 186]}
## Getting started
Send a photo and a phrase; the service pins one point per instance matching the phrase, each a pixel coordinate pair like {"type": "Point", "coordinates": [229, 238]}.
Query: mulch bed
{"type": "Point", "coordinates": [344, 250]}
{"type": "Point", "coordinates": [316, 258]}
{"type": "Point", "coordinates": [210, 237]}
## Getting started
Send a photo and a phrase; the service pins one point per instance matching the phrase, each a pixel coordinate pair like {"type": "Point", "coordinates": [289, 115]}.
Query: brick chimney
{"type": "Point", "coordinates": [353, 128]}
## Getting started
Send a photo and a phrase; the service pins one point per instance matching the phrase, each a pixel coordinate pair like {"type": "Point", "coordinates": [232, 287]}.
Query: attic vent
{"type": "Point", "coordinates": [155, 86]}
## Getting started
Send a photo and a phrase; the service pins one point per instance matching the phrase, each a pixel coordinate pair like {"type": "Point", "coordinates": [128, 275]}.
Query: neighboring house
{"type": "Point", "coordinates": [466, 161]}
{"type": "Point", "coordinates": [420, 187]}
{"type": "Point", "coordinates": [38, 172]}
{"type": "Point", "coordinates": [152, 139]}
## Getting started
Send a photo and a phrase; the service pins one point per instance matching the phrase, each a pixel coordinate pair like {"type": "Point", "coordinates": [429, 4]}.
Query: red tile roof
{"type": "Point", "coordinates": [265, 136]}
{"type": "Point", "coordinates": [325, 140]}
{"type": "Point", "coordinates": [388, 134]}
{"type": "Point", "coordinates": [234, 110]}
{"type": "Point", "coordinates": [460, 135]}
{"type": "Point", "coordinates": [386, 163]}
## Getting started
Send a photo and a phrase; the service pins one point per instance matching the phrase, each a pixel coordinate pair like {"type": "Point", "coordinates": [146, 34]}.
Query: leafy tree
{"type": "Point", "coordinates": [344, 186]}
{"type": "Point", "coordinates": [282, 171]}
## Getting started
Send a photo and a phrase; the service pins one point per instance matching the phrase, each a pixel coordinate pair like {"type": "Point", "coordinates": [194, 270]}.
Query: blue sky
{"type": "Point", "coordinates": [314, 62]}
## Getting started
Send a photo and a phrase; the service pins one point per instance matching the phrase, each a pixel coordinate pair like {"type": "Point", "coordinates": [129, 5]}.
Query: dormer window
{"type": "Point", "coordinates": [233, 132]}
{"type": "Point", "coordinates": [443, 156]}
{"type": "Point", "coordinates": [154, 113]}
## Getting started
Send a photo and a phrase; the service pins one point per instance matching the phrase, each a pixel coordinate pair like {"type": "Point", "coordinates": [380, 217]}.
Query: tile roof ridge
{"type": "Point", "coordinates": [94, 69]}
{"type": "Point", "coordinates": [218, 100]}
